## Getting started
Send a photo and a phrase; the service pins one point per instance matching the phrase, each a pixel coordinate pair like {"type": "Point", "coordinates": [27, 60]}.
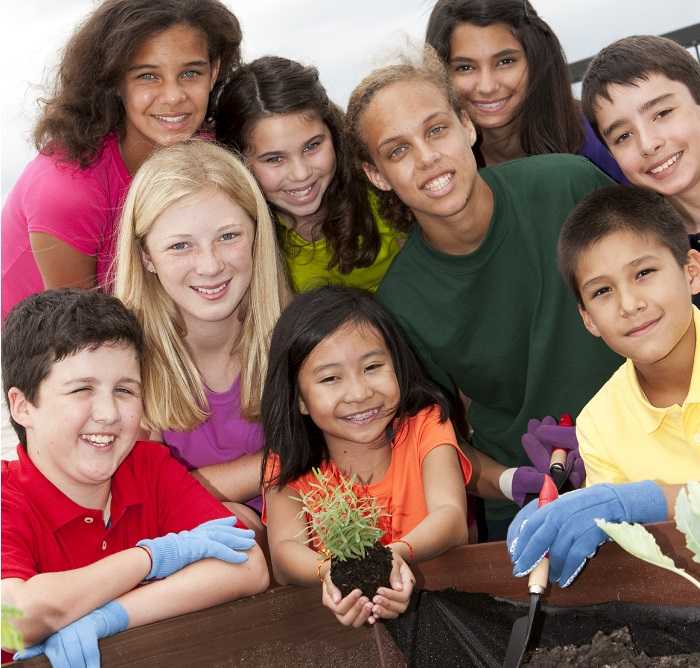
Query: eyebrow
{"type": "Point", "coordinates": [92, 379]}
{"type": "Point", "coordinates": [427, 119]}
{"type": "Point", "coordinates": [500, 54]}
{"type": "Point", "coordinates": [634, 263]}
{"type": "Point", "coordinates": [371, 353]}
{"type": "Point", "coordinates": [641, 109]}
{"type": "Point", "coordinates": [269, 154]}
{"type": "Point", "coordinates": [147, 66]}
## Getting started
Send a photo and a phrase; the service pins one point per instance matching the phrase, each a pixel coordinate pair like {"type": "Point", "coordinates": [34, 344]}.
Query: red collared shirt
{"type": "Point", "coordinates": [44, 531]}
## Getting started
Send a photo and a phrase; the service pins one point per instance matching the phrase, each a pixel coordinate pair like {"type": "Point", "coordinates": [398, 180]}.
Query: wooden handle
{"type": "Point", "coordinates": [558, 458]}
{"type": "Point", "coordinates": [537, 582]}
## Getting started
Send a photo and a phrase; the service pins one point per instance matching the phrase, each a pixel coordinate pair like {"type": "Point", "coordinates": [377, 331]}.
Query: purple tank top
{"type": "Point", "coordinates": [223, 437]}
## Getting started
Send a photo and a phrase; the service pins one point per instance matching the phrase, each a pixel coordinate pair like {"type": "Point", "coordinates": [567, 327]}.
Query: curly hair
{"type": "Point", "coordinates": [84, 104]}
{"type": "Point", "coordinates": [274, 86]}
{"type": "Point", "coordinates": [427, 68]}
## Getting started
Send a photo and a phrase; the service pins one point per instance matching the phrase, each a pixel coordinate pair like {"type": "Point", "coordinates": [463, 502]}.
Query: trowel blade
{"type": "Point", "coordinates": [520, 635]}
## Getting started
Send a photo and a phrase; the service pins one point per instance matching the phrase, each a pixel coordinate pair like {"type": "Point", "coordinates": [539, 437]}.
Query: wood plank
{"type": "Point", "coordinates": [288, 626]}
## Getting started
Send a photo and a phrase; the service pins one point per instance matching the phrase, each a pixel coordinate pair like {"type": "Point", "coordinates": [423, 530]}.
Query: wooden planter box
{"type": "Point", "coordinates": [288, 626]}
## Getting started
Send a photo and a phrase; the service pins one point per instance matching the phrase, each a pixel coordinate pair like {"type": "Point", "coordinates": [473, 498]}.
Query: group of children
{"type": "Point", "coordinates": [202, 346]}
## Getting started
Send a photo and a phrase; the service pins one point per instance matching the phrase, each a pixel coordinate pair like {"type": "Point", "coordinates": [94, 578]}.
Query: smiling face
{"type": "Point", "coordinates": [637, 298]}
{"type": "Point", "coordinates": [165, 91]}
{"type": "Point", "coordinates": [420, 149]}
{"type": "Point", "coordinates": [86, 417]}
{"type": "Point", "coordinates": [489, 72]}
{"type": "Point", "coordinates": [348, 387]}
{"type": "Point", "coordinates": [201, 249]}
{"type": "Point", "coordinates": [652, 129]}
{"type": "Point", "coordinates": [293, 159]}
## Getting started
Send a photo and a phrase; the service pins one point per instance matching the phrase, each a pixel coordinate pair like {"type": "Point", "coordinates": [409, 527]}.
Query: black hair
{"type": "Point", "coordinates": [307, 321]}
{"type": "Point", "coordinates": [632, 59]}
{"type": "Point", "coordinates": [615, 209]}
{"type": "Point", "coordinates": [276, 86]}
{"type": "Point", "coordinates": [47, 327]}
{"type": "Point", "coordinates": [550, 120]}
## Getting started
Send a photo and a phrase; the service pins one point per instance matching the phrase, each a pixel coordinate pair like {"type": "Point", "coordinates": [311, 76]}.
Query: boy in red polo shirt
{"type": "Point", "coordinates": [88, 513]}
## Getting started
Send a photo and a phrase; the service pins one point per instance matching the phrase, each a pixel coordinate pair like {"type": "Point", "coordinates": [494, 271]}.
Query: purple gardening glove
{"type": "Point", "coordinates": [539, 441]}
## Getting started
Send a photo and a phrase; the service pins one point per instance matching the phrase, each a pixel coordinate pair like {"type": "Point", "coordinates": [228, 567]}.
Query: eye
{"type": "Point", "coordinates": [273, 160]}
{"type": "Point", "coordinates": [464, 67]}
{"type": "Point", "coordinates": [507, 61]}
{"type": "Point", "coordinates": [147, 76]}
{"type": "Point", "coordinates": [600, 291]}
{"type": "Point", "coordinates": [437, 130]}
{"type": "Point", "coordinates": [312, 146]}
{"type": "Point", "coordinates": [191, 74]}
{"type": "Point", "coordinates": [643, 273]}
{"type": "Point", "coordinates": [328, 379]}
{"type": "Point", "coordinates": [179, 246]}
{"type": "Point", "coordinates": [397, 152]}
{"type": "Point", "coordinates": [622, 138]}
{"type": "Point", "coordinates": [663, 113]}
{"type": "Point", "coordinates": [230, 236]}
{"type": "Point", "coordinates": [126, 390]}
{"type": "Point", "coordinates": [374, 366]}
{"type": "Point", "coordinates": [77, 390]}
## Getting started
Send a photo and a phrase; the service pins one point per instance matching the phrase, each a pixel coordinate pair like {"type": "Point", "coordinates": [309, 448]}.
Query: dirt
{"type": "Point", "coordinates": [608, 650]}
{"type": "Point", "coordinates": [367, 574]}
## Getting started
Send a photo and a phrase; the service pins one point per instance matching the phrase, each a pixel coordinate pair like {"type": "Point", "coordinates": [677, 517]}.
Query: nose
{"type": "Point", "coordinates": [172, 91]}
{"type": "Point", "coordinates": [299, 170]}
{"type": "Point", "coordinates": [104, 408]}
{"type": "Point", "coordinates": [487, 83]}
{"type": "Point", "coordinates": [357, 388]}
{"type": "Point", "coordinates": [208, 262]}
{"type": "Point", "coordinates": [631, 302]}
{"type": "Point", "coordinates": [427, 154]}
{"type": "Point", "coordinates": [649, 141]}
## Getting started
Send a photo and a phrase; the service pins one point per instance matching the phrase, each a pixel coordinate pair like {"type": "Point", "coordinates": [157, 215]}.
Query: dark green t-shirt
{"type": "Point", "coordinates": [499, 323]}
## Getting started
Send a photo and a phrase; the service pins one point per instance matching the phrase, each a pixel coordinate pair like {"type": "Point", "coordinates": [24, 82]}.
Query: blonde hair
{"type": "Point", "coordinates": [174, 396]}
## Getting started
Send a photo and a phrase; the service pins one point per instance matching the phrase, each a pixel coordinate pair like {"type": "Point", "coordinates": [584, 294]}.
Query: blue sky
{"type": "Point", "coordinates": [345, 40]}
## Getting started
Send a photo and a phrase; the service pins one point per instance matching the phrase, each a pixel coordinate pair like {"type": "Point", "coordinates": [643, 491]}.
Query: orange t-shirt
{"type": "Point", "coordinates": [400, 492]}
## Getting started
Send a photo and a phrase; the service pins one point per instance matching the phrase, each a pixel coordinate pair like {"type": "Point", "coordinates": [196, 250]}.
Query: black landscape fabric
{"type": "Point", "coordinates": [451, 628]}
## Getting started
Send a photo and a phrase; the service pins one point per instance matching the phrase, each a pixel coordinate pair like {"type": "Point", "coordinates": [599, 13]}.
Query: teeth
{"type": "Point", "coordinates": [438, 183]}
{"type": "Point", "coordinates": [672, 160]}
{"type": "Point", "coordinates": [210, 291]}
{"type": "Point", "coordinates": [363, 417]}
{"type": "Point", "coordinates": [490, 106]}
{"type": "Point", "coordinates": [299, 193]}
{"type": "Point", "coordinates": [172, 119]}
{"type": "Point", "coordinates": [97, 439]}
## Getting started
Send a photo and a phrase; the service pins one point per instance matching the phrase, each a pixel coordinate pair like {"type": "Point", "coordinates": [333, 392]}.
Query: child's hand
{"type": "Point", "coordinates": [353, 610]}
{"type": "Point", "coordinates": [390, 603]}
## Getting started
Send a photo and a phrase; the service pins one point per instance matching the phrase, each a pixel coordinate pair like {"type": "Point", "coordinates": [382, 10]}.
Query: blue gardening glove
{"type": "Point", "coordinates": [566, 528]}
{"type": "Point", "coordinates": [75, 645]}
{"type": "Point", "coordinates": [217, 539]}
{"type": "Point", "coordinates": [539, 441]}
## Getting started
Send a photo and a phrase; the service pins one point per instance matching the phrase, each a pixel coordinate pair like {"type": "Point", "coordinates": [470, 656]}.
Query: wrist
{"type": "Point", "coordinates": [505, 483]}
{"type": "Point", "coordinates": [147, 560]}
{"type": "Point", "coordinates": [404, 549]}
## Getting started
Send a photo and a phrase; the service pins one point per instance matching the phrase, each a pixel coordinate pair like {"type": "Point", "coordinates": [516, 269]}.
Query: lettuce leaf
{"type": "Point", "coordinates": [688, 517]}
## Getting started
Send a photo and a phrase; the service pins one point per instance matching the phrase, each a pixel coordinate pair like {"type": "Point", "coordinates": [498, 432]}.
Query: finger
{"type": "Point", "coordinates": [237, 541]}
{"type": "Point", "coordinates": [532, 424]}
{"type": "Point", "coordinates": [538, 454]}
{"type": "Point", "coordinates": [363, 614]}
{"type": "Point", "coordinates": [385, 612]}
{"type": "Point", "coordinates": [516, 528]}
{"type": "Point", "coordinates": [223, 553]}
{"type": "Point", "coordinates": [29, 652]}
{"type": "Point", "coordinates": [548, 420]}
{"type": "Point", "coordinates": [583, 549]}
{"type": "Point", "coordinates": [395, 576]}
{"type": "Point", "coordinates": [333, 591]}
{"type": "Point", "coordinates": [562, 437]}
{"type": "Point", "coordinates": [356, 614]}
{"type": "Point", "coordinates": [222, 521]}
{"type": "Point", "coordinates": [347, 604]}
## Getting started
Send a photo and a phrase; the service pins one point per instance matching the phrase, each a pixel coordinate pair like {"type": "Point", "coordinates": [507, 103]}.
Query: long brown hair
{"type": "Point", "coordinates": [84, 104]}
{"type": "Point", "coordinates": [273, 85]}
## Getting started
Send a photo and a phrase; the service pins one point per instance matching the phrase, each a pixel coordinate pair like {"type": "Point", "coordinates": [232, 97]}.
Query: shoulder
{"type": "Point", "coordinates": [10, 485]}
{"type": "Point", "coordinates": [559, 167]}
{"type": "Point", "coordinates": [606, 401]}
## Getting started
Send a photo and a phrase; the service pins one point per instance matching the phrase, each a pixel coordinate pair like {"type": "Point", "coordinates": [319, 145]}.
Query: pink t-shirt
{"type": "Point", "coordinates": [224, 436]}
{"type": "Point", "coordinates": [77, 206]}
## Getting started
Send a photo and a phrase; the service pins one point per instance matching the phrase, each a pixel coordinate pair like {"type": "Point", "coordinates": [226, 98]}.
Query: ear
{"type": "Point", "coordinates": [468, 126]}
{"type": "Point", "coordinates": [302, 406]}
{"type": "Point", "coordinates": [20, 407]}
{"type": "Point", "coordinates": [215, 66]}
{"type": "Point", "coordinates": [588, 321]}
{"type": "Point", "coordinates": [375, 178]}
{"type": "Point", "coordinates": [692, 270]}
{"type": "Point", "coordinates": [147, 262]}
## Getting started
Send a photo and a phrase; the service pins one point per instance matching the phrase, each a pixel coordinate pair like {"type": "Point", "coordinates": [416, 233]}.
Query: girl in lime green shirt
{"type": "Point", "coordinates": [276, 113]}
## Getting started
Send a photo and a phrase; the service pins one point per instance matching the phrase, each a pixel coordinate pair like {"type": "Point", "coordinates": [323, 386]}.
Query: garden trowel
{"type": "Point", "coordinates": [536, 584]}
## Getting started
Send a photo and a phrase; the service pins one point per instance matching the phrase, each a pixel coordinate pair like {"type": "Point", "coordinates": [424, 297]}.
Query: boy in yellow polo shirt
{"type": "Point", "coordinates": [625, 253]}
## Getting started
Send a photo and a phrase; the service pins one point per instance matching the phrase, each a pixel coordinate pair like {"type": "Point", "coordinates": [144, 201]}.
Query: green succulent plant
{"type": "Point", "coordinates": [344, 522]}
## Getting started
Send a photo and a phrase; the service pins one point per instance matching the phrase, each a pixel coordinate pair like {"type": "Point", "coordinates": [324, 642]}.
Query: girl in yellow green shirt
{"type": "Point", "coordinates": [276, 113]}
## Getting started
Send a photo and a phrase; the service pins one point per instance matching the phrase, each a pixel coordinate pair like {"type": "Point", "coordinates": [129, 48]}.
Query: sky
{"type": "Point", "coordinates": [345, 40]}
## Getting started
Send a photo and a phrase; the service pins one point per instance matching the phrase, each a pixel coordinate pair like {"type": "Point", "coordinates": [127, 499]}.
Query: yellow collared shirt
{"type": "Point", "coordinates": [623, 438]}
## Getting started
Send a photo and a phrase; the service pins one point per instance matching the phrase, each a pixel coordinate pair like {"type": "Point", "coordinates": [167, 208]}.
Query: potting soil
{"type": "Point", "coordinates": [366, 574]}
{"type": "Point", "coordinates": [452, 628]}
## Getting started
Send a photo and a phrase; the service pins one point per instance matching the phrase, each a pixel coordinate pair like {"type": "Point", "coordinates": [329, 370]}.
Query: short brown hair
{"type": "Point", "coordinates": [633, 59]}
{"type": "Point", "coordinates": [619, 209]}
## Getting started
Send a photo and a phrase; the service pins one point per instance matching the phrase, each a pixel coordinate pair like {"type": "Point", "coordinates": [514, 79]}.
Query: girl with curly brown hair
{"type": "Point", "coordinates": [136, 75]}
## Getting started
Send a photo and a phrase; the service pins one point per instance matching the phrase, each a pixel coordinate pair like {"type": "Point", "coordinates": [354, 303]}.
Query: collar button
{"type": "Point", "coordinates": [88, 519]}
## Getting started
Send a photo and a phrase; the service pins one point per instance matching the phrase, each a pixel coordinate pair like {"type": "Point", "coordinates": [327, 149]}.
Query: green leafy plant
{"type": "Point", "coordinates": [636, 540]}
{"type": "Point", "coordinates": [345, 523]}
{"type": "Point", "coordinates": [11, 637]}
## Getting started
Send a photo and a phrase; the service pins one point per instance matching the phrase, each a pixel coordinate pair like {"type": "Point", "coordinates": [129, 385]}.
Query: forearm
{"type": "Point", "coordinates": [50, 601]}
{"type": "Point", "coordinates": [197, 586]}
{"type": "Point", "coordinates": [671, 494]}
{"type": "Point", "coordinates": [445, 527]}
{"type": "Point", "coordinates": [485, 474]}
{"type": "Point", "coordinates": [294, 563]}
{"type": "Point", "coordinates": [238, 480]}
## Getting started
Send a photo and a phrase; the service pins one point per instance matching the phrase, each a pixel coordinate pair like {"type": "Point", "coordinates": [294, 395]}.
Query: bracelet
{"type": "Point", "coordinates": [320, 577]}
{"type": "Point", "coordinates": [410, 548]}
{"type": "Point", "coordinates": [150, 558]}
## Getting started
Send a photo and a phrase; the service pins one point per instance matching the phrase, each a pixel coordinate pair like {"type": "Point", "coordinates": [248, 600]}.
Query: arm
{"type": "Point", "coordinates": [50, 601]}
{"type": "Point", "coordinates": [60, 264]}
{"type": "Point", "coordinates": [238, 480]}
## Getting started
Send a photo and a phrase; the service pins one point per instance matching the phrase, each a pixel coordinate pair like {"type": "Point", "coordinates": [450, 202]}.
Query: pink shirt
{"type": "Point", "coordinates": [77, 206]}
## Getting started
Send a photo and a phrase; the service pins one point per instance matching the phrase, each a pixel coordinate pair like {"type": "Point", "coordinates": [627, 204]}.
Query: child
{"type": "Point", "coordinates": [476, 286]}
{"type": "Point", "coordinates": [197, 260]}
{"type": "Point", "coordinates": [277, 114]}
{"type": "Point", "coordinates": [87, 513]}
{"type": "Point", "coordinates": [509, 70]}
{"type": "Point", "coordinates": [136, 75]}
{"type": "Point", "coordinates": [345, 393]}
{"type": "Point", "coordinates": [642, 95]}
{"type": "Point", "coordinates": [625, 254]}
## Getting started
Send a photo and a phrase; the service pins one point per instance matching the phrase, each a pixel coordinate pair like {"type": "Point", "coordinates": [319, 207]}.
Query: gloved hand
{"type": "Point", "coordinates": [566, 528]}
{"type": "Point", "coordinates": [218, 539]}
{"type": "Point", "coordinates": [539, 441]}
{"type": "Point", "coordinates": [75, 645]}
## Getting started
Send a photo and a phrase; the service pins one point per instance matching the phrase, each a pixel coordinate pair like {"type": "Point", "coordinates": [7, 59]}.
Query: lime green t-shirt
{"type": "Point", "coordinates": [307, 261]}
